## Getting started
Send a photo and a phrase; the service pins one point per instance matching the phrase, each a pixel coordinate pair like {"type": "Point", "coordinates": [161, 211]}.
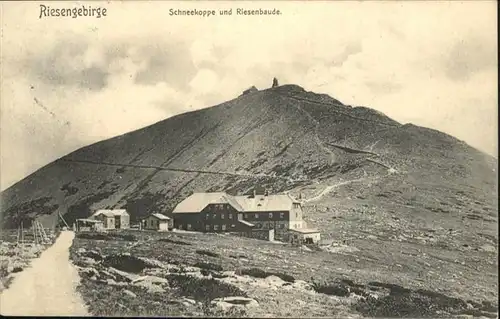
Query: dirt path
{"type": "Point", "coordinates": [328, 189]}
{"type": "Point", "coordinates": [47, 288]}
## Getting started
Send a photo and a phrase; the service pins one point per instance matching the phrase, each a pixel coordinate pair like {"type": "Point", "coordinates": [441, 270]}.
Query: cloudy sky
{"type": "Point", "coordinates": [70, 82]}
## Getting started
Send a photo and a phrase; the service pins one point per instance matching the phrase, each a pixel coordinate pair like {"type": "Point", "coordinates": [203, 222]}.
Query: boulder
{"type": "Point", "coordinates": [151, 263]}
{"type": "Point", "coordinates": [488, 248]}
{"type": "Point", "coordinates": [151, 283]}
{"type": "Point", "coordinates": [236, 301]}
{"type": "Point", "coordinates": [129, 293]}
{"type": "Point", "coordinates": [122, 275]}
{"type": "Point", "coordinates": [89, 272]}
{"type": "Point", "coordinates": [94, 255]}
{"type": "Point", "coordinates": [88, 261]}
{"type": "Point", "coordinates": [151, 279]}
{"type": "Point", "coordinates": [107, 275]}
{"type": "Point", "coordinates": [232, 305]}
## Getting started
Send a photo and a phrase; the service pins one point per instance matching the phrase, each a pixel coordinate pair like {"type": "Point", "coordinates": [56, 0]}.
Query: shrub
{"type": "Point", "coordinates": [395, 289]}
{"type": "Point", "coordinates": [402, 302]}
{"type": "Point", "coordinates": [259, 273]}
{"type": "Point", "coordinates": [207, 253]}
{"type": "Point", "coordinates": [284, 277]}
{"type": "Point", "coordinates": [173, 241]}
{"type": "Point", "coordinates": [4, 266]}
{"type": "Point", "coordinates": [203, 289]}
{"type": "Point", "coordinates": [334, 289]}
{"type": "Point", "coordinates": [208, 266]}
{"type": "Point", "coordinates": [106, 236]}
{"type": "Point", "coordinates": [125, 263]}
{"type": "Point", "coordinates": [254, 272]}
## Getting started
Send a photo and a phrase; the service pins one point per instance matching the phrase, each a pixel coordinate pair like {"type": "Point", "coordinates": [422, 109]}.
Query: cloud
{"type": "Point", "coordinates": [468, 56]}
{"type": "Point", "coordinates": [350, 49]}
{"type": "Point", "coordinates": [68, 64]}
{"type": "Point", "coordinates": [165, 62]}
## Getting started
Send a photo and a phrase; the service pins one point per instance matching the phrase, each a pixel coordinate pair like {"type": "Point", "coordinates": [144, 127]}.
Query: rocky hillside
{"type": "Point", "coordinates": [283, 138]}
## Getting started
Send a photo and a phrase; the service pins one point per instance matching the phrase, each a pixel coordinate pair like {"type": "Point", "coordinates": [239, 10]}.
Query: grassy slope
{"type": "Point", "coordinates": [450, 273]}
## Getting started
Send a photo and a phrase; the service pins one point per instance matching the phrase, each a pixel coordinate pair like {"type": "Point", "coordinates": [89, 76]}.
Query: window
{"type": "Point", "coordinates": [189, 226]}
{"type": "Point", "coordinates": [223, 227]}
{"type": "Point", "coordinates": [221, 216]}
{"type": "Point", "coordinates": [256, 216]}
{"type": "Point", "coordinates": [296, 214]}
{"type": "Point", "coordinates": [233, 225]}
{"type": "Point", "coordinates": [230, 216]}
{"type": "Point", "coordinates": [206, 216]}
{"type": "Point", "coordinates": [216, 227]}
{"type": "Point", "coordinates": [207, 227]}
{"type": "Point", "coordinates": [282, 226]}
{"type": "Point", "coordinates": [270, 215]}
{"type": "Point", "coordinates": [246, 216]}
{"type": "Point", "coordinates": [214, 215]}
{"type": "Point", "coordinates": [282, 215]}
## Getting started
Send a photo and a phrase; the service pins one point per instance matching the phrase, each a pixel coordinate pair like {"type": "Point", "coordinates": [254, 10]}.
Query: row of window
{"type": "Point", "coordinates": [247, 215]}
{"type": "Point", "coordinates": [214, 215]}
{"type": "Point", "coordinates": [270, 226]}
{"type": "Point", "coordinates": [220, 206]}
{"type": "Point", "coordinates": [216, 227]}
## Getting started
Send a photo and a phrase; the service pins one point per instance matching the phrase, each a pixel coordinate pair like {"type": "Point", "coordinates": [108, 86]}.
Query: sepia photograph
{"type": "Point", "coordinates": [249, 159]}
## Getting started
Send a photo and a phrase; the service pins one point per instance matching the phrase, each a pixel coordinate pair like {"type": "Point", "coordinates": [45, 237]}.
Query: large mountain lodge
{"type": "Point", "coordinates": [221, 212]}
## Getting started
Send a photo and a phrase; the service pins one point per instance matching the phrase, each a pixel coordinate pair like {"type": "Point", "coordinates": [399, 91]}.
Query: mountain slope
{"type": "Point", "coordinates": [282, 138]}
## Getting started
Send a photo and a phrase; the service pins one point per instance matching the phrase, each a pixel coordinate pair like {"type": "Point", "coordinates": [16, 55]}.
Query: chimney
{"type": "Point", "coordinates": [254, 193]}
{"type": "Point", "coordinates": [266, 192]}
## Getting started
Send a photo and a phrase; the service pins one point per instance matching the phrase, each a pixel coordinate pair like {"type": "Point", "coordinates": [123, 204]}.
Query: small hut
{"type": "Point", "coordinates": [112, 218]}
{"type": "Point", "coordinates": [157, 221]}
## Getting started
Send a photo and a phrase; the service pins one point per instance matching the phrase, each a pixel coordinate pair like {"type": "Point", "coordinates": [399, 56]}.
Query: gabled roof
{"type": "Point", "coordinates": [269, 203]}
{"type": "Point", "coordinates": [93, 221]}
{"type": "Point", "coordinates": [260, 203]}
{"type": "Point", "coordinates": [159, 216]}
{"type": "Point", "coordinates": [196, 202]}
{"type": "Point", "coordinates": [110, 212]}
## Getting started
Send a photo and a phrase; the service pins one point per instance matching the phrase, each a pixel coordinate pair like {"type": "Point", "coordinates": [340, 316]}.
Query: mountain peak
{"type": "Point", "coordinates": [281, 138]}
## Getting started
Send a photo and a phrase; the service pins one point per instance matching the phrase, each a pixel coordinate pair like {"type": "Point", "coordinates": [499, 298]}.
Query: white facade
{"type": "Point", "coordinates": [304, 236]}
{"type": "Point", "coordinates": [156, 222]}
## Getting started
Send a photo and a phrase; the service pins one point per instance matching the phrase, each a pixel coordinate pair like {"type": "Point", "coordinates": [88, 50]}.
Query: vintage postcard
{"type": "Point", "coordinates": [251, 159]}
